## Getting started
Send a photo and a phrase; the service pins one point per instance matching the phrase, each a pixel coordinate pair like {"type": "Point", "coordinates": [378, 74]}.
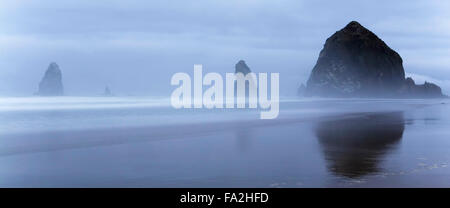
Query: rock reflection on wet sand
{"type": "Point", "coordinates": [355, 145]}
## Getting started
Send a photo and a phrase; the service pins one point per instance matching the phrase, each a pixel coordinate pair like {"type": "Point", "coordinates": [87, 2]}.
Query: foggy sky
{"type": "Point", "coordinates": [135, 47]}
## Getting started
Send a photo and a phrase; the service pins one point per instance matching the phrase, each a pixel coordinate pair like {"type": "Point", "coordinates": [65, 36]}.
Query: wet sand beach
{"type": "Point", "coordinates": [313, 143]}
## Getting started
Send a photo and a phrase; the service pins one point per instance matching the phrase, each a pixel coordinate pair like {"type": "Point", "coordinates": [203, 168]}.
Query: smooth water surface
{"type": "Point", "coordinates": [144, 142]}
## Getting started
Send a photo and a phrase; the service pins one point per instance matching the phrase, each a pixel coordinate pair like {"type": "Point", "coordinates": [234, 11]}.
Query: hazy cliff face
{"type": "Point", "coordinates": [355, 62]}
{"type": "Point", "coordinates": [51, 84]}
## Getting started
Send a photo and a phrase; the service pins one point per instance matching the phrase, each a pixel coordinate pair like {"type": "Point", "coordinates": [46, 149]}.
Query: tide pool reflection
{"type": "Point", "coordinates": [355, 146]}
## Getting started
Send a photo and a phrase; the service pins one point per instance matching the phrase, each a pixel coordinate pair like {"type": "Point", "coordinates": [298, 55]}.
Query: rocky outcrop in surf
{"type": "Point", "coordinates": [354, 62]}
{"type": "Point", "coordinates": [51, 84]}
{"type": "Point", "coordinates": [242, 67]}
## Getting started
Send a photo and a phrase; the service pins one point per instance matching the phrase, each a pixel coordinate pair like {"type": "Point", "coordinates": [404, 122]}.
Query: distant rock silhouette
{"type": "Point", "coordinates": [51, 84]}
{"type": "Point", "coordinates": [107, 92]}
{"type": "Point", "coordinates": [356, 63]}
{"type": "Point", "coordinates": [242, 67]}
{"type": "Point", "coordinates": [426, 90]}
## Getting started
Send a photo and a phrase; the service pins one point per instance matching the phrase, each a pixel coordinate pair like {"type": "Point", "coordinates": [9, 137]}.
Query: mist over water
{"type": "Point", "coordinates": [115, 126]}
{"type": "Point", "coordinates": [135, 47]}
{"type": "Point", "coordinates": [143, 142]}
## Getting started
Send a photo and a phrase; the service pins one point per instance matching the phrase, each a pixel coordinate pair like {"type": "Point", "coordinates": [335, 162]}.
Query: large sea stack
{"type": "Point", "coordinates": [51, 83]}
{"type": "Point", "coordinates": [356, 63]}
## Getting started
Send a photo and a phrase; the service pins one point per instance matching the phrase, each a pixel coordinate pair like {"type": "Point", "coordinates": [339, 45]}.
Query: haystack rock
{"type": "Point", "coordinates": [51, 83]}
{"type": "Point", "coordinates": [354, 62]}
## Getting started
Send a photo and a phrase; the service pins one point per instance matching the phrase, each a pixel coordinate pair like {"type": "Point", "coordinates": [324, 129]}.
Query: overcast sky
{"type": "Point", "coordinates": [134, 47]}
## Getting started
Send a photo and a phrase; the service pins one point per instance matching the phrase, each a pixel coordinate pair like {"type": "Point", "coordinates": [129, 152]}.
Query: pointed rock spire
{"type": "Point", "coordinates": [242, 67]}
{"type": "Point", "coordinates": [51, 83]}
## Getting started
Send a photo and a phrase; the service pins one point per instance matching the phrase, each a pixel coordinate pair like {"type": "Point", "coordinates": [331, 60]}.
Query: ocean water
{"type": "Point", "coordinates": [144, 142]}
